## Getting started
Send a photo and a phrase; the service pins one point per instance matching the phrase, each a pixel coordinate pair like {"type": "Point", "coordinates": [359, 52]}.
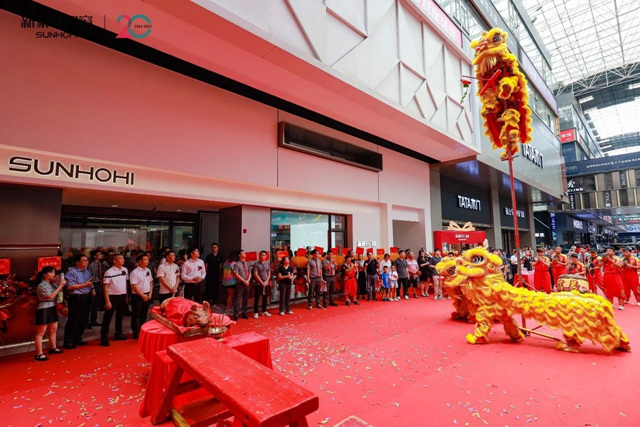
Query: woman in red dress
{"type": "Point", "coordinates": [541, 276]}
{"type": "Point", "coordinates": [350, 284]}
{"type": "Point", "coordinates": [613, 287]}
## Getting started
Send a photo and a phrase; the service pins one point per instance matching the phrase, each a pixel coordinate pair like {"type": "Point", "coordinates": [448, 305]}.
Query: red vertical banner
{"type": "Point", "coordinates": [5, 266]}
{"type": "Point", "coordinates": [50, 261]}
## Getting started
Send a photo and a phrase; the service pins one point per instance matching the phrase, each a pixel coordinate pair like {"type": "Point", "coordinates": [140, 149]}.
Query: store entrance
{"type": "Point", "coordinates": [124, 230]}
{"type": "Point", "coordinates": [508, 240]}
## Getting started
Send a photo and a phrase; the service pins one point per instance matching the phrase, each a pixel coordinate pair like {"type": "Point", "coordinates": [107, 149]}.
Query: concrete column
{"type": "Point", "coordinates": [256, 228]}
{"type": "Point", "coordinates": [528, 238]}
{"type": "Point", "coordinates": [230, 236]}
{"type": "Point", "coordinates": [494, 234]}
{"type": "Point", "coordinates": [434, 216]}
{"type": "Point", "coordinates": [30, 216]}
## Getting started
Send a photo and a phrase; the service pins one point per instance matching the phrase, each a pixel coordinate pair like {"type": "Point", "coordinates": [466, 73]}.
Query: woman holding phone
{"type": "Point", "coordinates": [46, 314]}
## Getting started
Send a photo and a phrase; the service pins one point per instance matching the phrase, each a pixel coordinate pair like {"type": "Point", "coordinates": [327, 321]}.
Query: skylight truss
{"type": "Point", "coordinates": [593, 43]}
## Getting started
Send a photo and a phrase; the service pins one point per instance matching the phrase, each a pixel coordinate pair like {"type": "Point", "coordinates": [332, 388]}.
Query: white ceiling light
{"type": "Point", "coordinates": [634, 85]}
{"type": "Point", "coordinates": [587, 99]}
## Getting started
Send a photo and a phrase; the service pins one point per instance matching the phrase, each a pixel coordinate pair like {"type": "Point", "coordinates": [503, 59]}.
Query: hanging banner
{"type": "Point", "coordinates": [50, 261]}
{"type": "Point", "coordinates": [5, 266]}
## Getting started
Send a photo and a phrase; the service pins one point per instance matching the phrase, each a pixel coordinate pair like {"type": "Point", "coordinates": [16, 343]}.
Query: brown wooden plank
{"type": "Point", "coordinates": [254, 393]}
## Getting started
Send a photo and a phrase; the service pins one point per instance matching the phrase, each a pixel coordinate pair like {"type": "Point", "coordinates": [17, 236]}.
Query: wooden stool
{"type": "Point", "coordinates": [240, 387]}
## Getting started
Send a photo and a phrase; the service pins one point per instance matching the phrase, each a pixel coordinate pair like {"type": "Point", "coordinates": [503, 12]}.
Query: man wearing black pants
{"type": "Point", "coordinates": [329, 267]}
{"type": "Point", "coordinates": [95, 268]}
{"type": "Point", "coordinates": [403, 276]}
{"type": "Point", "coordinates": [115, 299]}
{"type": "Point", "coordinates": [79, 288]}
{"type": "Point", "coordinates": [193, 274]}
{"type": "Point", "coordinates": [141, 282]}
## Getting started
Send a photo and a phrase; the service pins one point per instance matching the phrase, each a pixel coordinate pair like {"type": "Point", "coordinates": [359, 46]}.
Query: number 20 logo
{"type": "Point", "coordinates": [127, 32]}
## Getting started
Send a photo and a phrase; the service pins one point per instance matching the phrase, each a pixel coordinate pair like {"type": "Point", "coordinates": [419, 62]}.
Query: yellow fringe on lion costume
{"type": "Point", "coordinates": [505, 109]}
{"type": "Point", "coordinates": [581, 317]}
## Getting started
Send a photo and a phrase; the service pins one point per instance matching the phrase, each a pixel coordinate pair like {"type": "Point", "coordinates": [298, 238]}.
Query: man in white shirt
{"type": "Point", "coordinates": [141, 282]}
{"type": "Point", "coordinates": [193, 274]}
{"type": "Point", "coordinates": [114, 284]}
{"type": "Point", "coordinates": [168, 276]}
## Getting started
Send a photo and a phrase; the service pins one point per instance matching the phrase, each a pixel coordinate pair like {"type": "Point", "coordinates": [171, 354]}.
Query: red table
{"type": "Point", "coordinates": [528, 278]}
{"type": "Point", "coordinates": [250, 344]}
{"type": "Point", "coordinates": [154, 336]}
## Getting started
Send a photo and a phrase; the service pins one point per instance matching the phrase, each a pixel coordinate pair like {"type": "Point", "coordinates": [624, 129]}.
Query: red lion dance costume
{"type": "Point", "coordinates": [507, 116]}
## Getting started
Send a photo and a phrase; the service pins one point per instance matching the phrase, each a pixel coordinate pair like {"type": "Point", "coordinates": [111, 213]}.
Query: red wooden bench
{"type": "Point", "coordinates": [240, 387]}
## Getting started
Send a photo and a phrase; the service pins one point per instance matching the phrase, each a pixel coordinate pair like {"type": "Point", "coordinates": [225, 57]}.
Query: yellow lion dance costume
{"type": "Point", "coordinates": [579, 316]}
{"type": "Point", "coordinates": [507, 116]}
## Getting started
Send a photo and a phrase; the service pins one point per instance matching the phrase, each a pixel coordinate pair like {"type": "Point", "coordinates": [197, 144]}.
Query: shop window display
{"type": "Point", "coordinates": [293, 230]}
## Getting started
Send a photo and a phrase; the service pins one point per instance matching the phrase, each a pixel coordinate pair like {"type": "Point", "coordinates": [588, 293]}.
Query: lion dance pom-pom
{"type": "Point", "coordinates": [580, 317]}
{"type": "Point", "coordinates": [502, 90]}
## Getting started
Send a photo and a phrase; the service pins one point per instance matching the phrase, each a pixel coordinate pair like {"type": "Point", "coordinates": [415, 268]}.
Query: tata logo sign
{"type": "Point", "coordinates": [71, 171]}
{"type": "Point", "coordinates": [469, 203]}
{"type": "Point", "coordinates": [509, 212]}
{"type": "Point", "coordinates": [533, 154]}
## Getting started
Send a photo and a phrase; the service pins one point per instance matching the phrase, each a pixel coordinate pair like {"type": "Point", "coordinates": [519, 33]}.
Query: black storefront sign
{"type": "Point", "coordinates": [506, 214]}
{"type": "Point", "coordinates": [607, 199]}
{"type": "Point", "coordinates": [604, 164]}
{"type": "Point", "coordinates": [623, 179]}
{"type": "Point", "coordinates": [581, 184]}
{"type": "Point", "coordinates": [463, 202]}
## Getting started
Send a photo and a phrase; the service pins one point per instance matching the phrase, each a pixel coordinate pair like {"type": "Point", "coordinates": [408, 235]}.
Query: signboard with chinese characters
{"type": "Point", "coordinates": [50, 261]}
{"type": "Point", "coordinates": [367, 243]}
{"type": "Point", "coordinates": [567, 135]}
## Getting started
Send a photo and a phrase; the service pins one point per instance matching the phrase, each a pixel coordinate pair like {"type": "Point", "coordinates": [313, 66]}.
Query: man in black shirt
{"type": "Point", "coordinates": [437, 284]}
{"type": "Point", "coordinates": [403, 276]}
{"type": "Point", "coordinates": [371, 268]}
{"type": "Point", "coordinates": [213, 265]}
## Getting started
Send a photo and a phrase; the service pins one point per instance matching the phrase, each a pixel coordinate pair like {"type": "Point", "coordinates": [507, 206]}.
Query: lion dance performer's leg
{"type": "Point", "coordinates": [484, 322]}
{"type": "Point", "coordinates": [631, 284]}
{"type": "Point", "coordinates": [511, 328]}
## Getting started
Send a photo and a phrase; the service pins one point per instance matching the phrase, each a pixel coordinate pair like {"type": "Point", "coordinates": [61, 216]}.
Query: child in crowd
{"type": "Point", "coordinates": [385, 283]}
{"type": "Point", "coordinates": [393, 283]}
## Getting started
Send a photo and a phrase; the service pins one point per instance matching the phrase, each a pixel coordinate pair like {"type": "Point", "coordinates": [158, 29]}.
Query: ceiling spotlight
{"type": "Point", "coordinates": [114, 206]}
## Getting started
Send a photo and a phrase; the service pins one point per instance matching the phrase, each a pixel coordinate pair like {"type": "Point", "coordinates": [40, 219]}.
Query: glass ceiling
{"type": "Point", "coordinates": [585, 37]}
{"type": "Point", "coordinates": [616, 120]}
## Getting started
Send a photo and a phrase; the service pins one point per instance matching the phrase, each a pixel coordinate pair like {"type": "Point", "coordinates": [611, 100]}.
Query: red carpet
{"type": "Point", "coordinates": [402, 363]}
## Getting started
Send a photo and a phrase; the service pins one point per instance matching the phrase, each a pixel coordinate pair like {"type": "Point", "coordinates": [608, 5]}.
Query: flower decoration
{"type": "Point", "coordinates": [466, 82]}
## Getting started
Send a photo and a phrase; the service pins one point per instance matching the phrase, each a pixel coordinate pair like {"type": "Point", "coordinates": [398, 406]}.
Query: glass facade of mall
{"type": "Point", "coordinates": [296, 230]}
